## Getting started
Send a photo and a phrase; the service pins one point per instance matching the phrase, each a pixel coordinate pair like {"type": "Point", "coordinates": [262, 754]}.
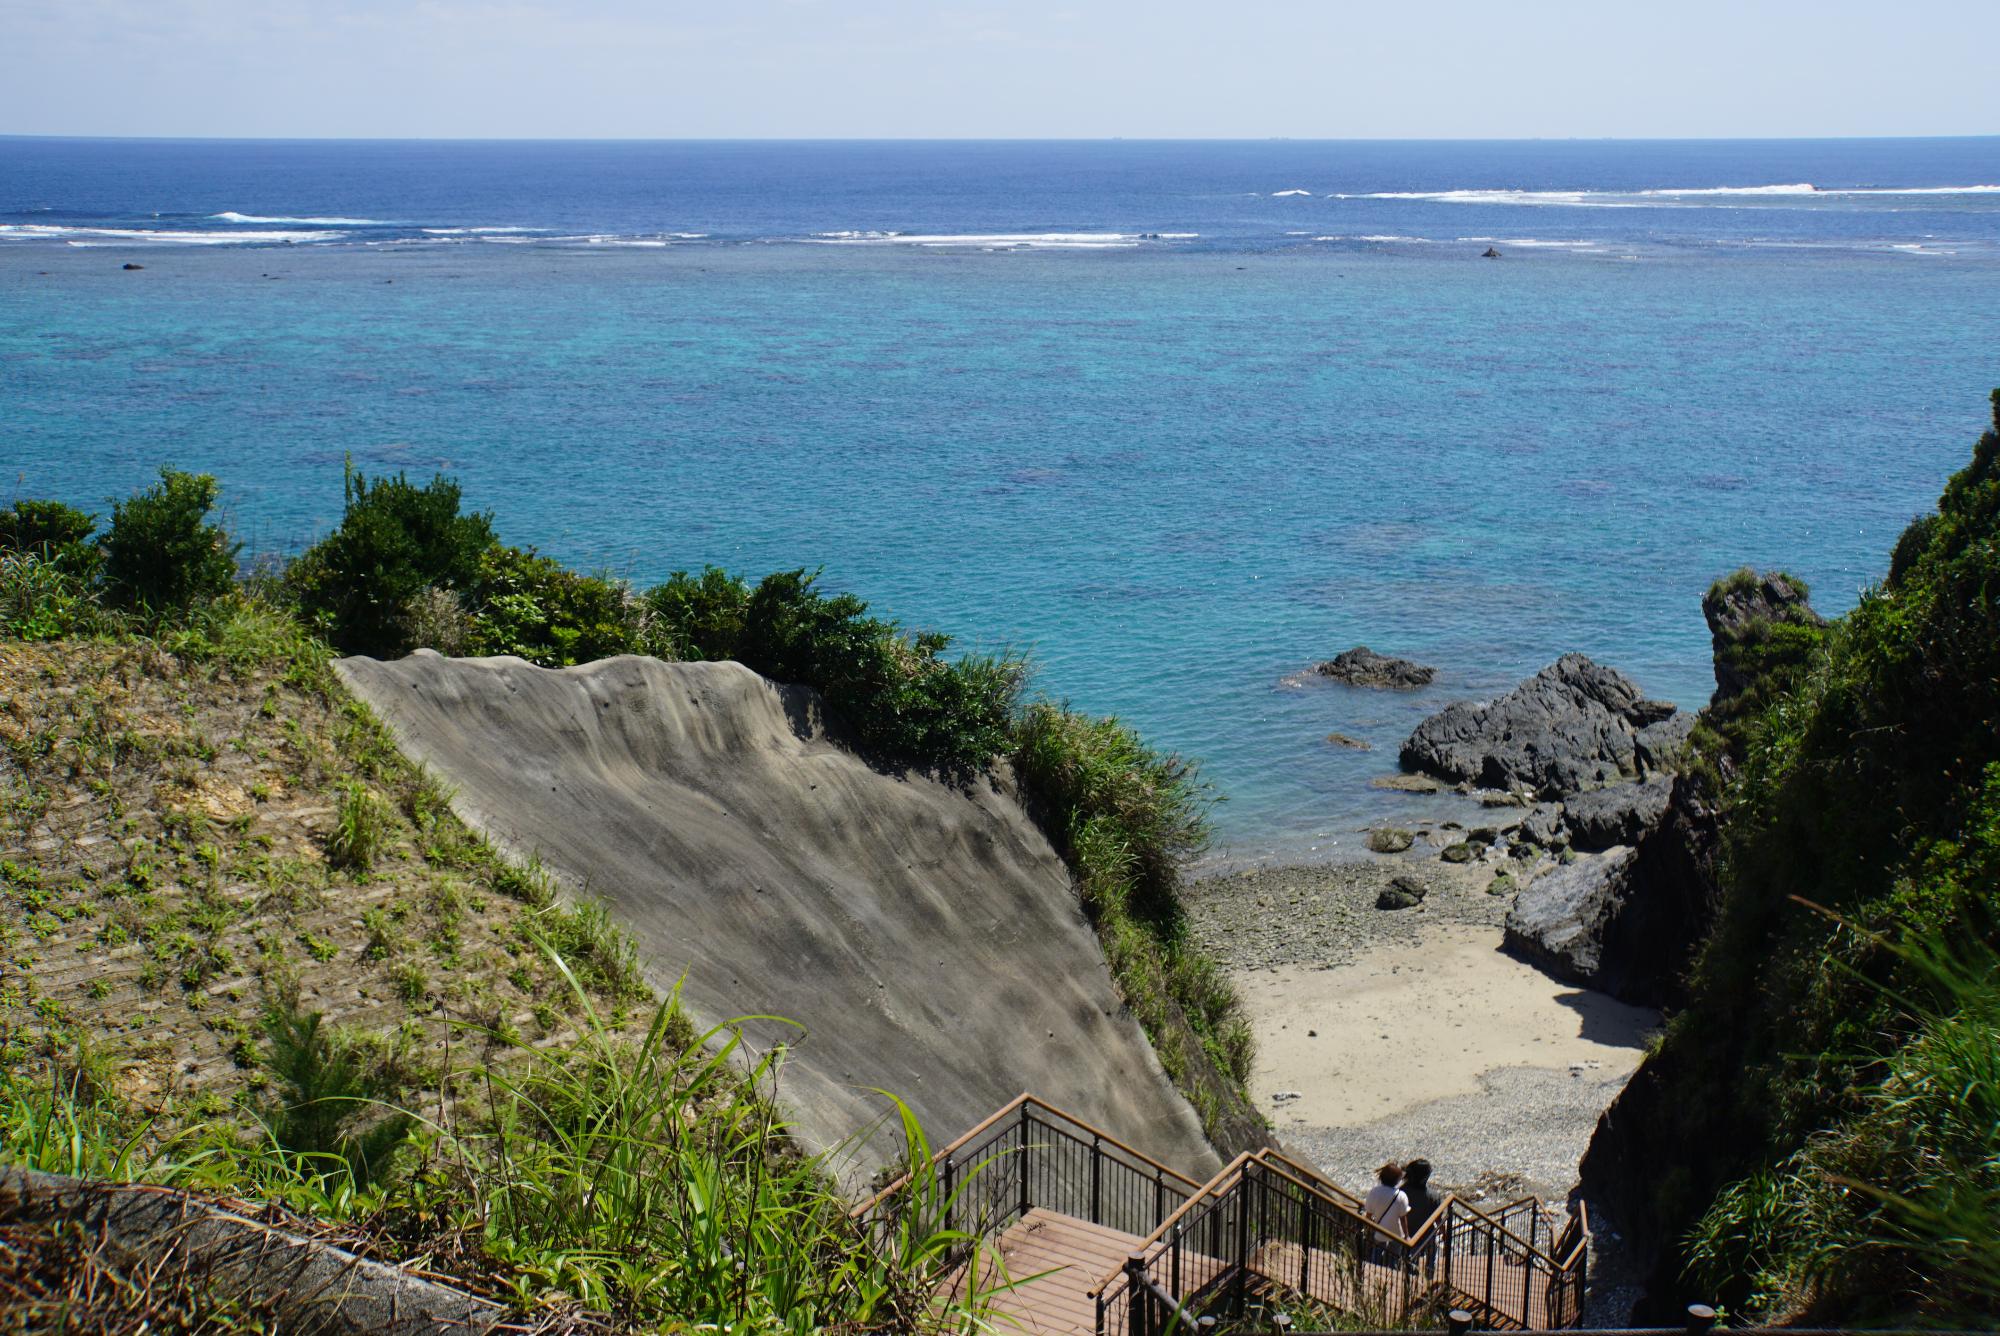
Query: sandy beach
{"type": "Point", "coordinates": [1392, 1033]}
{"type": "Point", "coordinates": [1405, 1025]}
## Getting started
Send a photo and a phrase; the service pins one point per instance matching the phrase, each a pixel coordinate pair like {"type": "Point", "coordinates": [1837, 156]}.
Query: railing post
{"type": "Point", "coordinates": [1449, 1229]}
{"type": "Point", "coordinates": [1458, 1322]}
{"type": "Point", "coordinates": [1159, 1197]}
{"type": "Point", "coordinates": [1306, 1220]}
{"type": "Point", "coordinates": [1139, 1305]}
{"type": "Point", "coordinates": [1174, 1265]}
{"type": "Point", "coordinates": [1491, 1239]}
{"type": "Point", "coordinates": [1582, 1276]}
{"type": "Point", "coordinates": [1700, 1318]}
{"type": "Point", "coordinates": [1024, 1159]}
{"type": "Point", "coordinates": [1096, 1179]}
{"type": "Point", "coordinates": [1242, 1258]}
{"type": "Point", "coordinates": [950, 1200]}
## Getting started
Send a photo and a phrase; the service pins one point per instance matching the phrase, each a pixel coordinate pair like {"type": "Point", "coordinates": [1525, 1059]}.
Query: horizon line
{"type": "Point", "coordinates": [995, 139]}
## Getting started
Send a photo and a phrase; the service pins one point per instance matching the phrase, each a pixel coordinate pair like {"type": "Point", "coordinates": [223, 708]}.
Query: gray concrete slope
{"type": "Point", "coordinates": [926, 937]}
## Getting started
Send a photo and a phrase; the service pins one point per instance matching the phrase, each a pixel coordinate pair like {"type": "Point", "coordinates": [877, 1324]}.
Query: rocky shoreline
{"type": "Point", "coordinates": [1322, 915]}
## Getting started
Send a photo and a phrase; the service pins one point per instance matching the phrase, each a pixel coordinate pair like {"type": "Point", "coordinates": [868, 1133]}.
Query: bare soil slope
{"type": "Point", "coordinates": [925, 937]}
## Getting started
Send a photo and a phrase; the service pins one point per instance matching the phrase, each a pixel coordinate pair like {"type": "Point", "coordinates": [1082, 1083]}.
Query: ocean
{"type": "Point", "coordinates": [1180, 419]}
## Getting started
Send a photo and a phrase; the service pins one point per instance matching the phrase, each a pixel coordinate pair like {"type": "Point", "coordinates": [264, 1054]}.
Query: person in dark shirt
{"type": "Point", "coordinates": [1424, 1204]}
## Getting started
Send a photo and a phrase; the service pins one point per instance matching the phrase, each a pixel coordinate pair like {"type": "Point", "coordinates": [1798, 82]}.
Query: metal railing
{"type": "Point", "coordinates": [1032, 1155]}
{"type": "Point", "coordinates": [1270, 1233]}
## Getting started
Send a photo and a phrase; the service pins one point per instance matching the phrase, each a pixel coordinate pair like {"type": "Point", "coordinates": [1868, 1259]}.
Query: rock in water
{"type": "Point", "coordinates": [1405, 783]}
{"type": "Point", "coordinates": [1344, 740]}
{"type": "Point", "coordinates": [1389, 840]}
{"type": "Point", "coordinates": [1490, 254]}
{"type": "Point", "coordinates": [134, 266]}
{"type": "Point", "coordinates": [1561, 920]}
{"type": "Point", "coordinates": [1573, 726]}
{"type": "Point", "coordinates": [1621, 814]}
{"type": "Point", "coordinates": [1363, 667]}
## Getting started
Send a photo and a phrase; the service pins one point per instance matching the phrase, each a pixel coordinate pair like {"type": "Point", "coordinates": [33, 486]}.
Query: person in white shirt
{"type": "Point", "coordinates": [1388, 1207]}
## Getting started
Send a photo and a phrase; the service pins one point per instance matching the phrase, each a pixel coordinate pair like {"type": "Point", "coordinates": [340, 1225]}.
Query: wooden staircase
{"type": "Point", "coordinates": [1074, 1233]}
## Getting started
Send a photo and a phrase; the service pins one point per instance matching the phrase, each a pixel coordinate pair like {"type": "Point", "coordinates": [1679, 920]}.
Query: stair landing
{"type": "Point", "coordinates": [1075, 1255]}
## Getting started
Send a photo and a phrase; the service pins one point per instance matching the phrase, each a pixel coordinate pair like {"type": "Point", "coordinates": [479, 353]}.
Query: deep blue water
{"type": "Point", "coordinates": [1123, 404]}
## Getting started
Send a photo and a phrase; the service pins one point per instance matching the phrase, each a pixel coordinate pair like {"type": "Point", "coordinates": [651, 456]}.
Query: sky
{"type": "Point", "coordinates": [1023, 69]}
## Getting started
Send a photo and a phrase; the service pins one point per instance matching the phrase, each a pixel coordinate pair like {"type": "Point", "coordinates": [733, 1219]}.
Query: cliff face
{"type": "Point", "coordinates": [924, 937]}
{"type": "Point", "coordinates": [1855, 766]}
{"type": "Point", "coordinates": [1630, 920]}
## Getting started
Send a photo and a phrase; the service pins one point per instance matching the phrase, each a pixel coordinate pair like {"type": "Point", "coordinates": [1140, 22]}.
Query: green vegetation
{"type": "Point", "coordinates": [161, 554]}
{"type": "Point", "coordinates": [397, 542]}
{"type": "Point", "coordinates": [232, 836]}
{"type": "Point", "coordinates": [329, 1096]}
{"type": "Point", "coordinates": [56, 533]}
{"type": "Point", "coordinates": [894, 691]}
{"type": "Point", "coordinates": [1125, 818]}
{"type": "Point", "coordinates": [644, 1183]}
{"type": "Point", "coordinates": [1825, 1099]}
{"type": "Point", "coordinates": [359, 829]}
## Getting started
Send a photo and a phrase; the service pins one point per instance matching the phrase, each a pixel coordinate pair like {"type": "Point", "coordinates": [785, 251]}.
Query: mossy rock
{"type": "Point", "coordinates": [1403, 893]}
{"type": "Point", "coordinates": [1462, 852]}
{"type": "Point", "coordinates": [1504, 884]}
{"type": "Point", "coordinates": [1390, 840]}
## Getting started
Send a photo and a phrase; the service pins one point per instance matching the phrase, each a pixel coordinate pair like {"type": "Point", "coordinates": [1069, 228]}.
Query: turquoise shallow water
{"type": "Point", "coordinates": [1174, 474]}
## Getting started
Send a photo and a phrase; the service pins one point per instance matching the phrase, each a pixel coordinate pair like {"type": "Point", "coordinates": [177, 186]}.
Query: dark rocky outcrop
{"type": "Point", "coordinates": [1762, 631]}
{"type": "Point", "coordinates": [1573, 726]}
{"type": "Point", "coordinates": [1350, 742]}
{"type": "Point", "coordinates": [1363, 667]}
{"type": "Point", "coordinates": [1620, 814]}
{"type": "Point", "coordinates": [1562, 919]}
{"type": "Point", "coordinates": [1741, 613]}
{"type": "Point", "coordinates": [1659, 746]}
{"type": "Point", "coordinates": [1544, 825]}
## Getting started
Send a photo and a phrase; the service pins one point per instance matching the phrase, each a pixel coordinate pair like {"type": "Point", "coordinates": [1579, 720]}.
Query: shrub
{"type": "Point", "coordinates": [527, 604]}
{"type": "Point", "coordinates": [329, 1096]}
{"type": "Point", "coordinates": [1125, 815]}
{"type": "Point", "coordinates": [1125, 818]}
{"type": "Point", "coordinates": [161, 554]}
{"type": "Point", "coordinates": [56, 533]}
{"type": "Point", "coordinates": [1897, 1211]}
{"type": "Point", "coordinates": [698, 616]}
{"type": "Point", "coordinates": [395, 541]}
{"type": "Point", "coordinates": [893, 691]}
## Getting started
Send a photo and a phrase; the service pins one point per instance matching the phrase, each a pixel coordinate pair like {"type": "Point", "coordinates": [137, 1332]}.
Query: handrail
{"type": "Point", "coordinates": [1325, 1184]}
{"type": "Point", "coordinates": [1012, 1106]}
{"type": "Point", "coordinates": [1207, 1190]}
{"type": "Point", "coordinates": [1526, 1246]}
{"type": "Point", "coordinates": [1216, 1188]}
{"type": "Point", "coordinates": [1582, 1233]}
